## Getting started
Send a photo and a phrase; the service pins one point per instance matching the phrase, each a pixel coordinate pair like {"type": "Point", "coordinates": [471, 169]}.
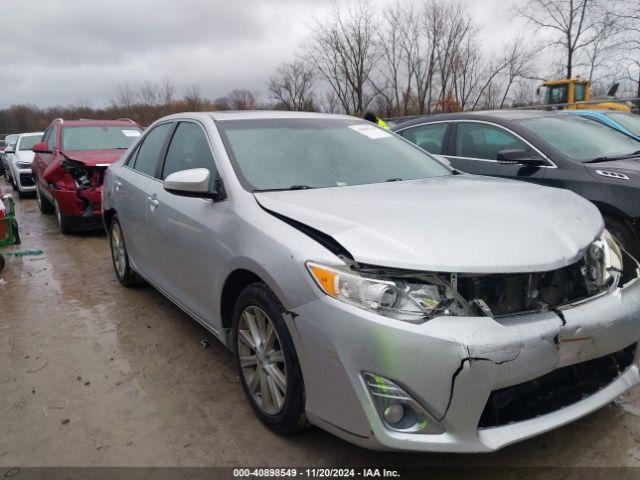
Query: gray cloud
{"type": "Point", "coordinates": [59, 52]}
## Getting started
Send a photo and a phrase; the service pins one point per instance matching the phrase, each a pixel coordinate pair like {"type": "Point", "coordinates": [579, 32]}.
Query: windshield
{"type": "Point", "coordinates": [28, 141]}
{"type": "Point", "coordinates": [99, 137]}
{"type": "Point", "coordinates": [274, 154]}
{"type": "Point", "coordinates": [628, 120]}
{"type": "Point", "coordinates": [579, 138]}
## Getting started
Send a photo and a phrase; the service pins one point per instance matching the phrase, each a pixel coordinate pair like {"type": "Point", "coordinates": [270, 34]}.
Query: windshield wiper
{"type": "Point", "coordinates": [292, 187]}
{"type": "Point", "coordinates": [394, 180]}
{"type": "Point", "coordinates": [612, 159]}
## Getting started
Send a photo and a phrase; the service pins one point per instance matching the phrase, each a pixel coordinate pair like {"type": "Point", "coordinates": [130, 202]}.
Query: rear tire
{"type": "Point", "coordinates": [125, 274]}
{"type": "Point", "coordinates": [44, 205]}
{"type": "Point", "coordinates": [624, 235]}
{"type": "Point", "coordinates": [267, 362]}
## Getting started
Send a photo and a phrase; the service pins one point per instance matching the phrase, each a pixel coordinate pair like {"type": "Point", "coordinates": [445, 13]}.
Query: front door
{"type": "Point", "coordinates": [474, 148]}
{"type": "Point", "coordinates": [187, 246]}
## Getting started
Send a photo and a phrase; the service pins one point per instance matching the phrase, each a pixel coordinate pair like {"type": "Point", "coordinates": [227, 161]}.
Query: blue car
{"type": "Point", "coordinates": [624, 122]}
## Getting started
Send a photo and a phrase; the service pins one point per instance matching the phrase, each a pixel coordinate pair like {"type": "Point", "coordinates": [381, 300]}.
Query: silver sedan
{"type": "Point", "coordinates": [367, 288]}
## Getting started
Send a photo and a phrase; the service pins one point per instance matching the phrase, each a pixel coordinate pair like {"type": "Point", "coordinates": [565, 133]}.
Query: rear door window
{"type": "Point", "coordinates": [428, 137]}
{"type": "Point", "coordinates": [152, 146]}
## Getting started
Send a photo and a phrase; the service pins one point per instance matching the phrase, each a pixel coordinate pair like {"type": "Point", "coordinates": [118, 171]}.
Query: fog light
{"type": "Point", "coordinates": [394, 413]}
{"type": "Point", "coordinates": [397, 409]}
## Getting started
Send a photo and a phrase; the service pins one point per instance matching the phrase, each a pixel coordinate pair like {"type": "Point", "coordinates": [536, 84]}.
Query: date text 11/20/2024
{"type": "Point", "coordinates": [315, 473]}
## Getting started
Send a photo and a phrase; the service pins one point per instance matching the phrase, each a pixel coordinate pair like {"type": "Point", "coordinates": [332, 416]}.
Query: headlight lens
{"type": "Point", "coordinates": [603, 263]}
{"type": "Point", "coordinates": [23, 165]}
{"type": "Point", "coordinates": [410, 302]}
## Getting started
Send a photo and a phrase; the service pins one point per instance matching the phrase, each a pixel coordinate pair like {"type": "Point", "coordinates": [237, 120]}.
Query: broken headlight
{"type": "Point", "coordinates": [395, 298]}
{"type": "Point", "coordinates": [603, 264]}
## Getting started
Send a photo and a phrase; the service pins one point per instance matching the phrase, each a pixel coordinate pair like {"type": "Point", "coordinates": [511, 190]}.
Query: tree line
{"type": "Point", "coordinates": [406, 60]}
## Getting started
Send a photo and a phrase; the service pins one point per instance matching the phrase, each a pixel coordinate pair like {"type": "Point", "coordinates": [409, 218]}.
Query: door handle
{"type": "Point", "coordinates": [153, 201]}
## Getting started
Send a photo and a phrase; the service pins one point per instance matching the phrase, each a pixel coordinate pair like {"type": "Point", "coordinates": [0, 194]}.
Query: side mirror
{"type": "Point", "coordinates": [42, 147]}
{"type": "Point", "coordinates": [520, 157]}
{"type": "Point", "coordinates": [190, 183]}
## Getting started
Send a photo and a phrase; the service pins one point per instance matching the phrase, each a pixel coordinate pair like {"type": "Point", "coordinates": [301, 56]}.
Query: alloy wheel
{"type": "Point", "coordinates": [262, 360]}
{"type": "Point", "coordinates": [118, 250]}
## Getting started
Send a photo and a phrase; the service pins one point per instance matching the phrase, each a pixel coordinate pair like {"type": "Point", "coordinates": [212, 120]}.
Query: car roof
{"type": "Point", "coordinates": [254, 115]}
{"type": "Point", "coordinates": [486, 115]}
{"type": "Point", "coordinates": [88, 122]}
{"type": "Point", "coordinates": [28, 134]}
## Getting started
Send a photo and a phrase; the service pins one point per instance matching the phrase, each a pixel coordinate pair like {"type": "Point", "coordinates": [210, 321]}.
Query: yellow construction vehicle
{"type": "Point", "coordinates": [575, 93]}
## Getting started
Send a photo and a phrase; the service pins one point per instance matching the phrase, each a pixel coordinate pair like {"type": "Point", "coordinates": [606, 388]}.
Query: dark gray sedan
{"type": "Point", "coordinates": [548, 148]}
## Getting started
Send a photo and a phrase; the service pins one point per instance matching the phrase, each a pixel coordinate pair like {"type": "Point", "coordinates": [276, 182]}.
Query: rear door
{"type": "Point", "coordinates": [187, 246]}
{"type": "Point", "coordinates": [473, 148]}
{"type": "Point", "coordinates": [133, 191]}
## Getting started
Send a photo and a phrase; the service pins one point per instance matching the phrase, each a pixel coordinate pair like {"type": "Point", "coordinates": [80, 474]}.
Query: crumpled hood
{"type": "Point", "coordinates": [464, 224]}
{"type": "Point", "coordinates": [93, 158]}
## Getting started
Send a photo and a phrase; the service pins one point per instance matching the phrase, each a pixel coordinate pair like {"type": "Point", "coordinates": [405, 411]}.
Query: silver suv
{"type": "Point", "coordinates": [367, 288]}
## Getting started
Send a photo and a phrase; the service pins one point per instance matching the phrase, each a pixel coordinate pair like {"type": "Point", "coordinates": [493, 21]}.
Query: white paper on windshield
{"type": "Point", "coordinates": [131, 133]}
{"type": "Point", "coordinates": [370, 131]}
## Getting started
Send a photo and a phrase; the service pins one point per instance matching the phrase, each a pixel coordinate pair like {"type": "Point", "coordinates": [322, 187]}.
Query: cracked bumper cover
{"type": "Point", "coordinates": [80, 203]}
{"type": "Point", "coordinates": [452, 364]}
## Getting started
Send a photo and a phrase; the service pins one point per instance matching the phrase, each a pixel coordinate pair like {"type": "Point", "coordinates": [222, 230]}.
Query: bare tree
{"type": "Point", "coordinates": [574, 23]}
{"type": "Point", "coordinates": [149, 94]}
{"type": "Point", "coordinates": [456, 28]}
{"type": "Point", "coordinates": [125, 97]}
{"type": "Point", "coordinates": [167, 91]}
{"type": "Point", "coordinates": [292, 86]}
{"type": "Point", "coordinates": [627, 12]}
{"type": "Point", "coordinates": [193, 100]}
{"type": "Point", "coordinates": [242, 99]}
{"type": "Point", "coordinates": [329, 102]}
{"type": "Point", "coordinates": [518, 61]}
{"type": "Point", "coordinates": [343, 49]}
{"type": "Point", "coordinates": [393, 79]}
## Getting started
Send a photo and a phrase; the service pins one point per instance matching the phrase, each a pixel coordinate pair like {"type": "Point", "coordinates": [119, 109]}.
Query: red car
{"type": "Point", "coordinates": [69, 165]}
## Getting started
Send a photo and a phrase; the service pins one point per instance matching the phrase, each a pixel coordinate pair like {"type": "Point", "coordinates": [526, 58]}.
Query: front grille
{"type": "Point", "coordinates": [555, 390]}
{"type": "Point", "coordinates": [26, 180]}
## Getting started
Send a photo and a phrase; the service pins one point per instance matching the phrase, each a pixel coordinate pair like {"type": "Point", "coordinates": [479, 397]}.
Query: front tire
{"type": "Point", "coordinates": [124, 272]}
{"type": "Point", "coordinates": [623, 234]}
{"type": "Point", "coordinates": [267, 362]}
{"type": "Point", "coordinates": [63, 221]}
{"type": "Point", "coordinates": [44, 205]}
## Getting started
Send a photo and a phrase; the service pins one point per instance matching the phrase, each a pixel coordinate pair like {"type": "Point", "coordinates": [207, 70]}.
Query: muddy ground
{"type": "Point", "coordinates": [92, 373]}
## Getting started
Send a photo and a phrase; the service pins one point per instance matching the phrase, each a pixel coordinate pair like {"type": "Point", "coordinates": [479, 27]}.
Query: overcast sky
{"type": "Point", "coordinates": [61, 52]}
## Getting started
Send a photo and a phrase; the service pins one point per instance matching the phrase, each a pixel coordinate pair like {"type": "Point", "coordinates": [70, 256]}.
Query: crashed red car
{"type": "Point", "coordinates": [69, 165]}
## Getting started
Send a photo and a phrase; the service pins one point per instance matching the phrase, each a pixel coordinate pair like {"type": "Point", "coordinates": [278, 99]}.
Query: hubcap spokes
{"type": "Point", "coordinates": [117, 247]}
{"type": "Point", "coordinates": [262, 360]}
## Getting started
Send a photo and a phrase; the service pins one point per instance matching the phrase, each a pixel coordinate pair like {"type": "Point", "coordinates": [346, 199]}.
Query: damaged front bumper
{"type": "Point", "coordinates": [77, 190]}
{"type": "Point", "coordinates": [456, 368]}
